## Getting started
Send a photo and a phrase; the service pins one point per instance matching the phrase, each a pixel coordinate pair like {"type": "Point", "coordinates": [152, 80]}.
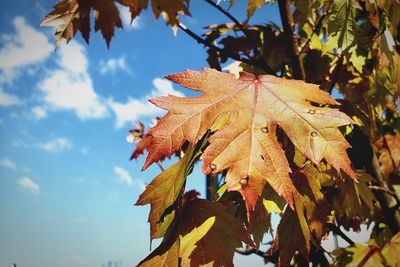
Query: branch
{"type": "Point", "coordinates": [256, 63]}
{"type": "Point", "coordinates": [316, 28]}
{"type": "Point", "coordinates": [335, 74]}
{"type": "Point", "coordinates": [248, 250]}
{"type": "Point", "coordinates": [387, 191]}
{"type": "Point", "coordinates": [337, 231]}
{"type": "Point", "coordinates": [292, 47]}
{"type": "Point", "coordinates": [226, 13]}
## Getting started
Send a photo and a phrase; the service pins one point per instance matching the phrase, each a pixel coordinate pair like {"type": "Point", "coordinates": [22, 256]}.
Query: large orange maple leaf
{"type": "Point", "coordinates": [247, 145]}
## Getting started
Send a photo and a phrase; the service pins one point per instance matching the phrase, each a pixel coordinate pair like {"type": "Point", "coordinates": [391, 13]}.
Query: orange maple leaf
{"type": "Point", "coordinates": [247, 145]}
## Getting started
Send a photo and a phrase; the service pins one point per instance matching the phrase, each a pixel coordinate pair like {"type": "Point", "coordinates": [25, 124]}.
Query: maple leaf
{"type": "Point", "coordinates": [247, 145]}
{"type": "Point", "coordinates": [298, 238]}
{"type": "Point", "coordinates": [204, 233]}
{"type": "Point", "coordinates": [389, 149]}
{"type": "Point", "coordinates": [164, 190]}
{"type": "Point", "coordinates": [391, 250]}
{"type": "Point", "coordinates": [69, 16]}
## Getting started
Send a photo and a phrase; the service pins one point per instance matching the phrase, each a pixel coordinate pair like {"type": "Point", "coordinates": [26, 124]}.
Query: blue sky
{"type": "Point", "coordinates": [67, 188]}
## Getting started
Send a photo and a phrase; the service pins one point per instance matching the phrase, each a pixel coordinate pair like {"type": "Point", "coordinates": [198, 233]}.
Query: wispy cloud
{"type": "Point", "coordinates": [137, 23]}
{"type": "Point", "coordinates": [135, 109]}
{"type": "Point", "coordinates": [112, 65]}
{"type": "Point", "coordinates": [55, 145]}
{"type": "Point", "coordinates": [8, 163]}
{"type": "Point", "coordinates": [7, 99]}
{"type": "Point", "coordinates": [28, 184]}
{"type": "Point", "coordinates": [38, 112]}
{"type": "Point", "coordinates": [25, 47]}
{"type": "Point", "coordinates": [123, 176]}
{"type": "Point", "coordinates": [70, 86]}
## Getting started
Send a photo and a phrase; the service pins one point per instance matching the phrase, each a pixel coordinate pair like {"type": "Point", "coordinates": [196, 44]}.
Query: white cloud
{"type": "Point", "coordinates": [56, 145]}
{"type": "Point", "coordinates": [123, 176]}
{"type": "Point", "coordinates": [27, 46]}
{"type": "Point", "coordinates": [8, 99]}
{"type": "Point", "coordinates": [114, 64]}
{"type": "Point", "coordinates": [8, 163]}
{"type": "Point", "coordinates": [38, 113]}
{"type": "Point", "coordinates": [28, 184]}
{"type": "Point", "coordinates": [70, 87]}
{"type": "Point", "coordinates": [126, 19]}
{"type": "Point", "coordinates": [134, 108]}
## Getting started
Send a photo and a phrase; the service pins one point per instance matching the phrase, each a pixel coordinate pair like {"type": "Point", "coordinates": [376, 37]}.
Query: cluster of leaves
{"type": "Point", "coordinates": [71, 16]}
{"type": "Point", "coordinates": [278, 145]}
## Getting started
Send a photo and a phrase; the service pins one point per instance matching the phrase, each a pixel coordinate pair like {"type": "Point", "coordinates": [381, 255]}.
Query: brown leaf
{"type": "Point", "coordinates": [389, 150]}
{"type": "Point", "coordinates": [297, 238]}
{"type": "Point", "coordinates": [247, 145]}
{"type": "Point", "coordinates": [69, 16]}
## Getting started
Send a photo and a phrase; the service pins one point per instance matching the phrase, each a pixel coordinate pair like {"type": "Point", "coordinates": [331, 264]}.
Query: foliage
{"type": "Point", "coordinates": [269, 143]}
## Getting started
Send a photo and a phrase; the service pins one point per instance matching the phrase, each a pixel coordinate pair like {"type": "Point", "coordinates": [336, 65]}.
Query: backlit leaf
{"type": "Point", "coordinates": [247, 145]}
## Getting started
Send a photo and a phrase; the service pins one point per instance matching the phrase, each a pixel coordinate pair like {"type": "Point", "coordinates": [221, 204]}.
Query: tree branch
{"type": "Point", "coordinates": [229, 15]}
{"type": "Point", "coordinates": [337, 231]}
{"type": "Point", "coordinates": [316, 28]}
{"type": "Point", "coordinates": [335, 74]}
{"type": "Point", "coordinates": [248, 250]}
{"type": "Point", "coordinates": [387, 191]}
{"type": "Point", "coordinates": [256, 63]}
{"type": "Point", "coordinates": [292, 47]}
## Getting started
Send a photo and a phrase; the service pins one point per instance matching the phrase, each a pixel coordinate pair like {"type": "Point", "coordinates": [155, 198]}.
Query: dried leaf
{"type": "Point", "coordinates": [389, 150]}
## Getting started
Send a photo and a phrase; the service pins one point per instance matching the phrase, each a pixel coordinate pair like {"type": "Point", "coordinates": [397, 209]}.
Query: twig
{"type": "Point", "coordinates": [160, 165]}
{"type": "Point", "coordinates": [248, 250]}
{"type": "Point", "coordinates": [229, 15]}
{"type": "Point", "coordinates": [316, 28]}
{"type": "Point", "coordinates": [259, 64]}
{"type": "Point", "coordinates": [335, 74]}
{"type": "Point", "coordinates": [337, 231]}
{"type": "Point", "coordinates": [292, 47]}
{"type": "Point", "coordinates": [387, 191]}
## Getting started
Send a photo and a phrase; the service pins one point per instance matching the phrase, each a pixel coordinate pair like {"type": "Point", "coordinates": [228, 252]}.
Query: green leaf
{"type": "Point", "coordinates": [342, 23]}
{"type": "Point", "coordinates": [203, 233]}
{"type": "Point", "coordinates": [165, 189]}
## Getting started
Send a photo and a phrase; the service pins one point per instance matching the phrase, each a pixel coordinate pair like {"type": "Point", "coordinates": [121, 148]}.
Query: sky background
{"type": "Point", "coordinates": [67, 187]}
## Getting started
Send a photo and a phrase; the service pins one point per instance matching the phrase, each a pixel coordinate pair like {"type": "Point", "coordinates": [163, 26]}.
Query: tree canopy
{"type": "Point", "coordinates": [269, 133]}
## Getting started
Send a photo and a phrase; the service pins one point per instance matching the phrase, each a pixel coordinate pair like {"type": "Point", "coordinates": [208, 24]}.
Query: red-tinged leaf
{"type": "Point", "coordinates": [164, 190]}
{"type": "Point", "coordinates": [204, 233]}
{"type": "Point", "coordinates": [107, 17]}
{"type": "Point", "coordinates": [141, 146]}
{"type": "Point", "coordinates": [360, 255]}
{"type": "Point", "coordinates": [247, 146]}
{"type": "Point", "coordinates": [389, 149]}
{"type": "Point", "coordinates": [391, 251]}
